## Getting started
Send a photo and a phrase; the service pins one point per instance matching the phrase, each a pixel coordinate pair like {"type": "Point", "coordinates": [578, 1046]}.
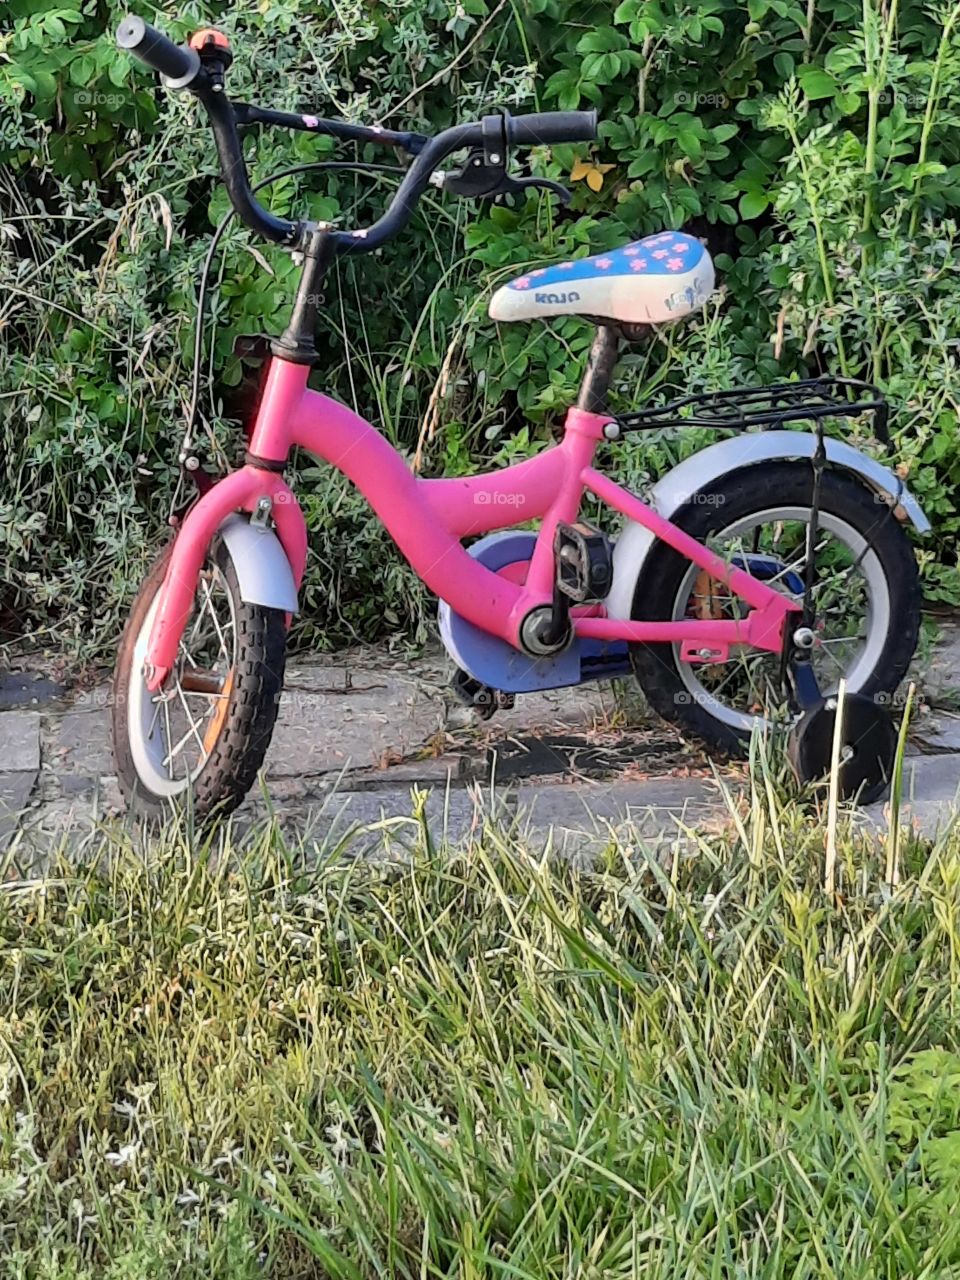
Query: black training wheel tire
{"type": "Point", "coordinates": [868, 748]}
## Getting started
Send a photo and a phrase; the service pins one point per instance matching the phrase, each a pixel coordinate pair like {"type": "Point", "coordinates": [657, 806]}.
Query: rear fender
{"type": "Point", "coordinates": [702, 469]}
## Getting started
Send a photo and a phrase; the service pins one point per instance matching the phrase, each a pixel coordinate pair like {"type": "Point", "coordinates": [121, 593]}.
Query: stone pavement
{"type": "Point", "coordinates": [358, 734]}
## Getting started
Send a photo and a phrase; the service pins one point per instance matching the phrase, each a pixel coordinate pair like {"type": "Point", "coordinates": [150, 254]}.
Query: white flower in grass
{"type": "Point", "coordinates": [12, 1189]}
{"type": "Point", "coordinates": [126, 1155]}
{"type": "Point", "coordinates": [338, 1141]}
{"type": "Point", "coordinates": [230, 1156]}
{"type": "Point", "coordinates": [325, 1178]}
{"type": "Point", "coordinates": [83, 1218]}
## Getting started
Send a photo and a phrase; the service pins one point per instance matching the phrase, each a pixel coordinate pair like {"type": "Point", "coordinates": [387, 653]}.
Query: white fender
{"type": "Point", "coordinates": [702, 469]}
{"type": "Point", "coordinates": [263, 570]}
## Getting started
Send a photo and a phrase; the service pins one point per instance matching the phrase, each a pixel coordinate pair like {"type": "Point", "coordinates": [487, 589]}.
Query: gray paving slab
{"type": "Point", "coordinates": [577, 820]}
{"type": "Point", "coordinates": [939, 672]}
{"type": "Point", "coordinates": [15, 792]}
{"type": "Point", "coordinates": [930, 798]}
{"type": "Point", "coordinates": [19, 741]}
{"type": "Point", "coordinates": [937, 731]}
{"type": "Point", "coordinates": [356, 734]}
{"type": "Point", "coordinates": [79, 744]}
{"type": "Point", "coordinates": [28, 689]}
{"type": "Point", "coordinates": [326, 727]}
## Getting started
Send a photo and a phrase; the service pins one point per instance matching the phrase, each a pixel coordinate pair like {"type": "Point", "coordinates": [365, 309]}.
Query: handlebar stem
{"type": "Point", "coordinates": [296, 343]}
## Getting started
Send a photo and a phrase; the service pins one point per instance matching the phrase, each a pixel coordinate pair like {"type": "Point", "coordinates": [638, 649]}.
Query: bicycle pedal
{"type": "Point", "coordinates": [484, 700]}
{"type": "Point", "coordinates": [584, 562]}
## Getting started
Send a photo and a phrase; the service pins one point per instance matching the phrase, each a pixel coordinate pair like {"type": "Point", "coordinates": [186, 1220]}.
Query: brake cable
{"type": "Point", "coordinates": [193, 409]}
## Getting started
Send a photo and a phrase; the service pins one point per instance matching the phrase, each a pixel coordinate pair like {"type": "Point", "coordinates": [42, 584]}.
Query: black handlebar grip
{"type": "Point", "coordinates": [553, 126]}
{"type": "Point", "coordinates": [176, 62]}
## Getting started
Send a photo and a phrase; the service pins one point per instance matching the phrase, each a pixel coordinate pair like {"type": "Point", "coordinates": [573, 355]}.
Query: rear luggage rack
{"type": "Point", "coordinates": [743, 407]}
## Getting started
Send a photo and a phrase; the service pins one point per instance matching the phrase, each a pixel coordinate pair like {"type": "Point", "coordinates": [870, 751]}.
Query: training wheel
{"type": "Point", "coordinates": [867, 746]}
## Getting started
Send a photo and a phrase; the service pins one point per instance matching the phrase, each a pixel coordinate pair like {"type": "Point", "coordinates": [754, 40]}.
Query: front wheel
{"type": "Point", "coordinates": [201, 738]}
{"type": "Point", "coordinates": [866, 597]}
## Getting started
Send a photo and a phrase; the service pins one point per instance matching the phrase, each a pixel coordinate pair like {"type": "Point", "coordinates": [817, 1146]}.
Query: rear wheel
{"type": "Point", "coordinates": [202, 737]}
{"type": "Point", "coordinates": [866, 597]}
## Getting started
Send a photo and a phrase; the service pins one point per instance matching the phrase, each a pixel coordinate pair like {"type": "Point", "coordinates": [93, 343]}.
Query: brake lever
{"type": "Point", "coordinates": [480, 180]}
{"type": "Point", "coordinates": [512, 186]}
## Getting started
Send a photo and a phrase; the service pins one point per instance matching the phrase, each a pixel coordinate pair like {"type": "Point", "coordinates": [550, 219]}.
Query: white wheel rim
{"type": "Point", "coordinates": [154, 719]}
{"type": "Point", "coordinates": [877, 618]}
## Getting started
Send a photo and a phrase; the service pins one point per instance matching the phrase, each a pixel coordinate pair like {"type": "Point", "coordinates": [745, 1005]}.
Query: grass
{"type": "Point", "coordinates": [251, 1058]}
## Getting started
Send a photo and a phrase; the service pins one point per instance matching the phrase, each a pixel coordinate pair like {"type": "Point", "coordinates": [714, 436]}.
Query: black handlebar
{"type": "Point", "coordinates": [184, 68]}
{"type": "Point", "coordinates": [552, 126]}
{"type": "Point", "coordinates": [175, 62]}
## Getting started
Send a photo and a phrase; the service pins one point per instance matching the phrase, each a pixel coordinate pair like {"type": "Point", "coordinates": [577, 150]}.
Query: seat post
{"type": "Point", "coordinates": [599, 371]}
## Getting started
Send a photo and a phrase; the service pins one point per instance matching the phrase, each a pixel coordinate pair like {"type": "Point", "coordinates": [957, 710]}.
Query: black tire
{"type": "Point", "coordinates": [246, 726]}
{"type": "Point", "coordinates": [735, 497]}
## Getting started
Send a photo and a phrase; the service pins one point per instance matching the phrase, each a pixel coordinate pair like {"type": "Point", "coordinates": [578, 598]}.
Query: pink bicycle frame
{"type": "Point", "coordinates": [428, 519]}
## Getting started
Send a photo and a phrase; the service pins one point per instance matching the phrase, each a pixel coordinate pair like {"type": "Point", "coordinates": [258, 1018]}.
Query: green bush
{"type": "Point", "coordinates": [815, 147]}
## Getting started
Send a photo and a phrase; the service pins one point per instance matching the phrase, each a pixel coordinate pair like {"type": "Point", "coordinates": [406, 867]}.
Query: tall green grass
{"type": "Point", "coordinates": [248, 1058]}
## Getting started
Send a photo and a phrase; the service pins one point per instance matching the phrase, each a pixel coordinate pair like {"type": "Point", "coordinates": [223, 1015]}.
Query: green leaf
{"type": "Point", "coordinates": [816, 84]}
{"type": "Point", "coordinates": [753, 203]}
{"type": "Point", "coordinates": [603, 40]}
{"type": "Point", "coordinates": [783, 64]}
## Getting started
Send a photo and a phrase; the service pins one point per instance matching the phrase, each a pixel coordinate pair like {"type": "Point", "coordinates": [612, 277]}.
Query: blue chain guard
{"type": "Point", "coordinates": [497, 664]}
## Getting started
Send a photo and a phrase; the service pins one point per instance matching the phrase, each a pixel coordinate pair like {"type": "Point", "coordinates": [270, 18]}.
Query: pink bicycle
{"type": "Point", "coordinates": [759, 571]}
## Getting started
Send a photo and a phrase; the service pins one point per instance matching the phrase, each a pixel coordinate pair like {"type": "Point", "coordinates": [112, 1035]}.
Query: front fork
{"type": "Point", "coordinates": [251, 489]}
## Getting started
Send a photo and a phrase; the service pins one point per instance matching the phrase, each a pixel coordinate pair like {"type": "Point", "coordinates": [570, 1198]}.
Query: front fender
{"type": "Point", "coordinates": [263, 570]}
{"type": "Point", "coordinates": [702, 469]}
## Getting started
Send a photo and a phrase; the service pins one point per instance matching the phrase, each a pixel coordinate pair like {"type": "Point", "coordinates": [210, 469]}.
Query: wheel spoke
{"type": "Point", "coordinates": [193, 725]}
{"type": "Point", "coordinates": [213, 617]}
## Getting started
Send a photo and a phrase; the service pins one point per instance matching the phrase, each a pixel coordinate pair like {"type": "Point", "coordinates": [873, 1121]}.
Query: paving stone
{"type": "Point", "coordinates": [19, 740]}
{"type": "Point", "coordinates": [939, 674]}
{"type": "Point", "coordinates": [15, 790]}
{"type": "Point", "coordinates": [381, 716]}
{"type": "Point", "coordinates": [931, 795]}
{"type": "Point", "coordinates": [938, 731]}
{"type": "Point", "coordinates": [80, 743]}
{"type": "Point", "coordinates": [577, 821]}
{"type": "Point", "coordinates": [27, 689]}
{"type": "Point", "coordinates": [357, 734]}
